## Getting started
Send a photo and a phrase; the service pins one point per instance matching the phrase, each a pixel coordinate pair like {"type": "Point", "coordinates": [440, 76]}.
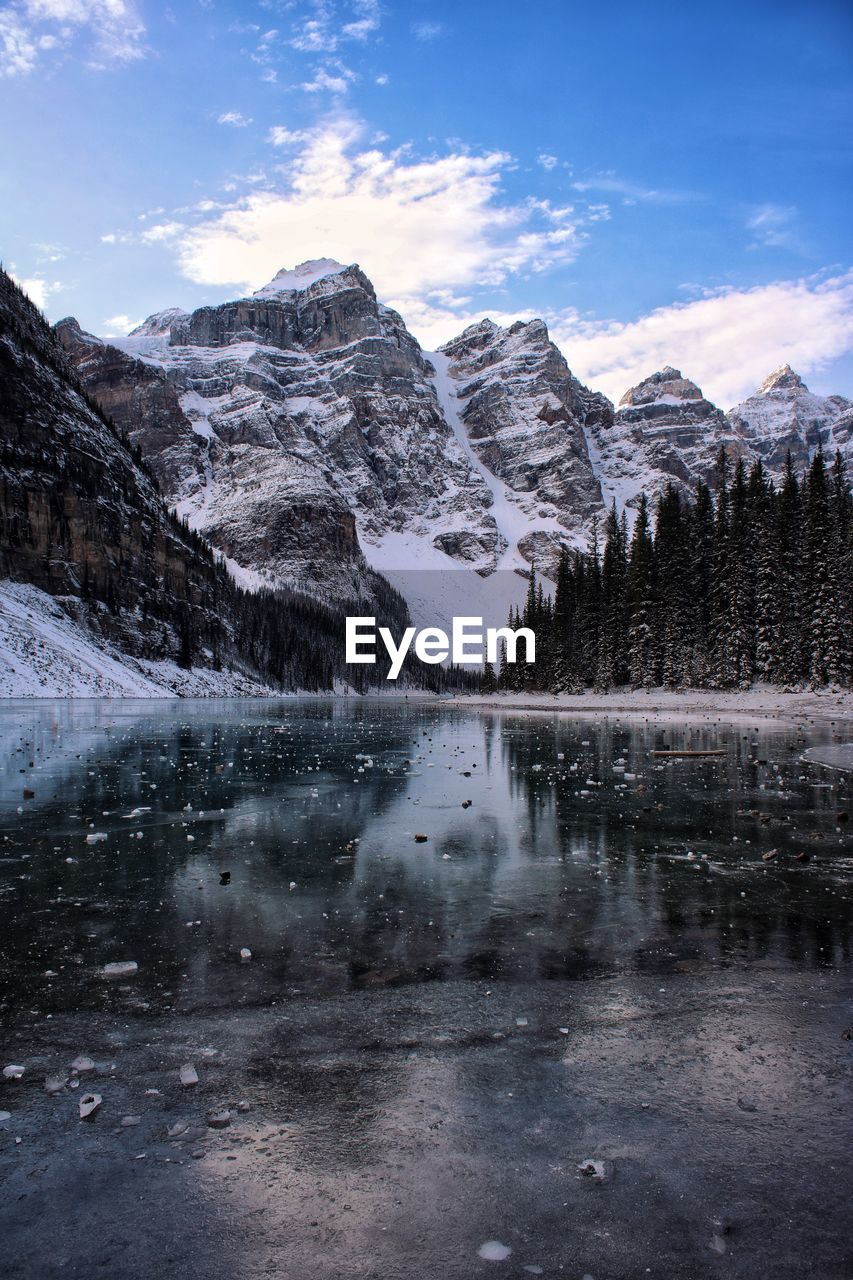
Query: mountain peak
{"type": "Point", "coordinates": [667, 386]}
{"type": "Point", "coordinates": [294, 279]}
{"type": "Point", "coordinates": [159, 323]}
{"type": "Point", "coordinates": [783, 379]}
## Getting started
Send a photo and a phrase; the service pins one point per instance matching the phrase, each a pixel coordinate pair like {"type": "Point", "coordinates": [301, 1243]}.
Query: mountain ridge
{"type": "Point", "coordinates": [305, 433]}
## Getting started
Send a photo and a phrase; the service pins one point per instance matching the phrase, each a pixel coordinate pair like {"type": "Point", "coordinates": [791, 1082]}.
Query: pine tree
{"type": "Point", "coordinates": [642, 619]}
{"type": "Point", "coordinates": [612, 665]}
{"type": "Point", "coordinates": [672, 567]}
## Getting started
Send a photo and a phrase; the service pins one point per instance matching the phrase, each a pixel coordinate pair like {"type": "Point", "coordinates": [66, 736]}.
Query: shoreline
{"type": "Point", "coordinates": [761, 702]}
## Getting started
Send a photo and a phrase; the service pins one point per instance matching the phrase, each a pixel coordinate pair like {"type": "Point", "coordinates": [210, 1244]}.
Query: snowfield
{"type": "Point", "coordinates": [761, 701]}
{"type": "Point", "coordinates": [46, 654]}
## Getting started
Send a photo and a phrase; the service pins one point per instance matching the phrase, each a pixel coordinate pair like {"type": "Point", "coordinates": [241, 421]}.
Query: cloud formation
{"type": "Point", "coordinates": [330, 25]}
{"type": "Point", "coordinates": [727, 342]}
{"type": "Point", "coordinates": [235, 119]}
{"type": "Point", "coordinates": [37, 288]}
{"type": "Point", "coordinates": [31, 29]}
{"type": "Point", "coordinates": [414, 224]}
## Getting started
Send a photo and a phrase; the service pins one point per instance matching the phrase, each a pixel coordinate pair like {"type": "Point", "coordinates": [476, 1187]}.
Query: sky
{"type": "Point", "coordinates": [663, 183]}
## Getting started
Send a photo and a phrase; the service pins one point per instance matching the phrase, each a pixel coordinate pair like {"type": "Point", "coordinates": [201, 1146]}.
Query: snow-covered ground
{"type": "Point", "coordinates": [761, 701]}
{"type": "Point", "coordinates": [46, 654]}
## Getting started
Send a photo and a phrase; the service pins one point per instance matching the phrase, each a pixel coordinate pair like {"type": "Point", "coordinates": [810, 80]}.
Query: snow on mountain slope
{"type": "Point", "coordinates": [300, 277]}
{"type": "Point", "coordinates": [305, 434]}
{"type": "Point", "coordinates": [44, 653]}
{"type": "Point", "coordinates": [308, 430]}
{"type": "Point", "coordinates": [664, 431]}
{"type": "Point", "coordinates": [784, 415]}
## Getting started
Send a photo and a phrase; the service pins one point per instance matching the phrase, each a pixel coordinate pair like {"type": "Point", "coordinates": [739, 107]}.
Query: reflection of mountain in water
{"type": "Point", "coordinates": [572, 860]}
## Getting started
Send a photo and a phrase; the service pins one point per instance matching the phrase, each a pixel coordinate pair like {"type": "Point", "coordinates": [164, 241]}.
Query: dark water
{"type": "Point", "coordinates": [579, 855]}
{"type": "Point", "coordinates": [590, 961]}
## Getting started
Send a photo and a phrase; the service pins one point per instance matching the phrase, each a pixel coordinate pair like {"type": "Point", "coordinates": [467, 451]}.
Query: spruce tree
{"type": "Point", "coordinates": [642, 612]}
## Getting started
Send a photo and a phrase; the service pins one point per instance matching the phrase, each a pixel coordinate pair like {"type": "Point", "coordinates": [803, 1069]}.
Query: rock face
{"type": "Point", "coordinates": [664, 431]}
{"type": "Point", "coordinates": [86, 537]}
{"type": "Point", "coordinates": [80, 518]}
{"type": "Point", "coordinates": [303, 424]}
{"type": "Point", "coordinates": [784, 415]}
{"type": "Point", "coordinates": [305, 434]}
{"type": "Point", "coordinates": [527, 420]}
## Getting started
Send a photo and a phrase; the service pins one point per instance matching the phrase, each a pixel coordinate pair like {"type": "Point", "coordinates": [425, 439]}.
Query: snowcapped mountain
{"type": "Point", "coordinates": [307, 436]}
{"type": "Point", "coordinates": [102, 589]}
{"type": "Point", "coordinates": [663, 431]}
{"type": "Point", "coordinates": [526, 420]}
{"type": "Point", "coordinates": [294, 429]}
{"type": "Point", "coordinates": [783, 414]}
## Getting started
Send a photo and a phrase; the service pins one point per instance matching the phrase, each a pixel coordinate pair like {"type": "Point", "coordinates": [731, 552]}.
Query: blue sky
{"type": "Point", "coordinates": [664, 183]}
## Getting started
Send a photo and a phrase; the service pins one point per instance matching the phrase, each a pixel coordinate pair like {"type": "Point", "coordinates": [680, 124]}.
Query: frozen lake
{"type": "Point", "coordinates": [587, 959]}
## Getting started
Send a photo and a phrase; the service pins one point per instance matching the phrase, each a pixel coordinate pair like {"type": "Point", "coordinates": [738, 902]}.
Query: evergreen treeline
{"type": "Point", "coordinates": [754, 583]}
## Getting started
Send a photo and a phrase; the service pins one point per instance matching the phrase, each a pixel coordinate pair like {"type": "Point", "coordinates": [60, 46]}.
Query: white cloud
{"type": "Point", "coordinates": [414, 225]}
{"type": "Point", "coordinates": [334, 24]}
{"type": "Point", "coordinates": [235, 119]}
{"type": "Point", "coordinates": [547, 161]}
{"type": "Point", "coordinates": [772, 226]}
{"type": "Point", "coordinates": [279, 136]}
{"type": "Point", "coordinates": [37, 288]}
{"type": "Point", "coordinates": [162, 231]}
{"type": "Point", "coordinates": [119, 326]}
{"type": "Point", "coordinates": [631, 192]}
{"type": "Point", "coordinates": [335, 79]}
{"type": "Point", "coordinates": [427, 31]}
{"type": "Point", "coordinates": [31, 28]}
{"type": "Point", "coordinates": [727, 342]}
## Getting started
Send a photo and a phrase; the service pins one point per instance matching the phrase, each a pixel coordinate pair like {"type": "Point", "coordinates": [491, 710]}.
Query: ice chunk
{"type": "Point", "coordinates": [494, 1251]}
{"type": "Point", "coordinates": [120, 969]}
{"type": "Point", "coordinates": [89, 1104]}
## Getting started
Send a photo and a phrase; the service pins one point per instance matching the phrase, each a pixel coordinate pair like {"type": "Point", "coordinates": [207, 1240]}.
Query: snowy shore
{"type": "Point", "coordinates": [760, 702]}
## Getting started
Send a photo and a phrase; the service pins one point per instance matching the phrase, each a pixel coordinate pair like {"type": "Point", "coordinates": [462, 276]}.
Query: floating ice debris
{"type": "Point", "coordinates": [292, 885]}
{"type": "Point", "coordinates": [89, 1104]}
{"type": "Point", "coordinates": [120, 969]}
{"type": "Point", "coordinates": [188, 1075]}
{"type": "Point", "coordinates": [533, 1270]}
{"type": "Point", "coordinates": [130, 1122]}
{"type": "Point", "coordinates": [219, 1119]}
{"type": "Point", "coordinates": [521, 1022]}
{"type": "Point", "coordinates": [95, 837]}
{"type": "Point", "coordinates": [494, 1251]}
{"type": "Point", "coordinates": [55, 1084]}
{"type": "Point", "coordinates": [595, 1169]}
{"type": "Point", "coordinates": [564, 1031]}
{"type": "Point", "coordinates": [137, 813]}
{"type": "Point", "coordinates": [176, 1130]}
{"type": "Point", "coordinates": [82, 1064]}
{"type": "Point", "coordinates": [13, 1072]}
{"type": "Point", "coordinates": [4, 1116]}
{"type": "Point", "coordinates": [245, 954]}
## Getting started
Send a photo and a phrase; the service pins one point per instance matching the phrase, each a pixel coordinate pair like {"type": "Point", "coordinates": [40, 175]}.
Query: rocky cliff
{"type": "Point", "coordinates": [82, 521]}
{"type": "Point", "coordinates": [305, 434]}
{"type": "Point", "coordinates": [302, 424]}
{"type": "Point", "coordinates": [784, 415]}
